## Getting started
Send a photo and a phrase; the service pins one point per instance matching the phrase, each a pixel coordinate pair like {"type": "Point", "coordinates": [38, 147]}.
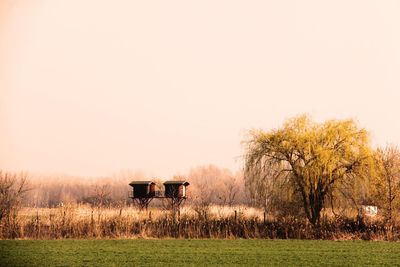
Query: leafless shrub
{"type": "Point", "coordinates": [12, 189]}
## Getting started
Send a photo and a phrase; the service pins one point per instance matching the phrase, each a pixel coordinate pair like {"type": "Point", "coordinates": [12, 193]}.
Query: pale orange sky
{"type": "Point", "coordinates": [93, 87]}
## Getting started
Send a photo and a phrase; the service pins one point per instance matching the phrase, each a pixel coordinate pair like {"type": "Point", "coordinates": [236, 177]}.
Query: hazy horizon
{"type": "Point", "coordinates": [89, 88]}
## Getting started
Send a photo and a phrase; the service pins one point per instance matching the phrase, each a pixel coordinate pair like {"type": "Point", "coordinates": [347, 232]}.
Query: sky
{"type": "Point", "coordinates": [92, 87]}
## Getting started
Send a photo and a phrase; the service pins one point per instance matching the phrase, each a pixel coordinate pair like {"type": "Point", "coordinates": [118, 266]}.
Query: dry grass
{"type": "Point", "coordinates": [217, 222]}
{"type": "Point", "coordinates": [83, 211]}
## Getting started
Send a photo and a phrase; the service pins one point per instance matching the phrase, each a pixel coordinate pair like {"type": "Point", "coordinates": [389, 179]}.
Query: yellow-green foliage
{"type": "Point", "coordinates": [313, 158]}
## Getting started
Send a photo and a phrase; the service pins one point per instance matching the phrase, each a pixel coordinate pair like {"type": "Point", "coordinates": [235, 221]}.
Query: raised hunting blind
{"type": "Point", "coordinates": [176, 192]}
{"type": "Point", "coordinates": [175, 189]}
{"type": "Point", "coordinates": [144, 191]}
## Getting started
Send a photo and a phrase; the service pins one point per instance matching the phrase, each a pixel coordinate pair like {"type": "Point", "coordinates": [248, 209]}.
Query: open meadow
{"type": "Point", "coordinates": [173, 252]}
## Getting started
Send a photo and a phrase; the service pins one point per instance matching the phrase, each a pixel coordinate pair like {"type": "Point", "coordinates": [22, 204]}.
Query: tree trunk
{"type": "Point", "coordinates": [313, 206]}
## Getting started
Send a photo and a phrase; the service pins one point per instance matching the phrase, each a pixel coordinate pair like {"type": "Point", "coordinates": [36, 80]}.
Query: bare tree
{"type": "Point", "coordinates": [12, 189]}
{"type": "Point", "coordinates": [387, 182]}
{"type": "Point", "coordinates": [100, 196]}
{"type": "Point", "coordinates": [203, 181]}
{"type": "Point", "coordinates": [228, 188]}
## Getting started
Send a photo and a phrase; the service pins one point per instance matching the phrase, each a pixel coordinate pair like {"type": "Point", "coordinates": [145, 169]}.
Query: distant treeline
{"type": "Point", "coordinates": [208, 185]}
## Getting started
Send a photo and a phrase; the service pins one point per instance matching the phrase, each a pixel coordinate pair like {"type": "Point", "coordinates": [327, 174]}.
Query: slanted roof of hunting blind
{"type": "Point", "coordinates": [141, 183]}
{"type": "Point", "coordinates": [177, 183]}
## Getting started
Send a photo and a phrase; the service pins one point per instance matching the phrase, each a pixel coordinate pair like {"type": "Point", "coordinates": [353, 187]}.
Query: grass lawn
{"type": "Point", "coordinates": [170, 252]}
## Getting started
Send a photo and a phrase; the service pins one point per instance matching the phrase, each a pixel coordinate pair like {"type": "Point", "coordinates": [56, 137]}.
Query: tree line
{"type": "Point", "coordinates": [303, 170]}
{"type": "Point", "coordinates": [208, 185]}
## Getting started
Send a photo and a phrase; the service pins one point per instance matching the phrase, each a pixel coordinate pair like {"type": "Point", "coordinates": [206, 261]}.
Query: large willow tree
{"type": "Point", "coordinates": [313, 158]}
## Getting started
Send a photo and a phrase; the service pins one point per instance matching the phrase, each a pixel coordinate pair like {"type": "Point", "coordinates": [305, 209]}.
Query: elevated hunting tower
{"type": "Point", "coordinates": [144, 191]}
{"type": "Point", "coordinates": [175, 189]}
{"type": "Point", "coordinates": [176, 192]}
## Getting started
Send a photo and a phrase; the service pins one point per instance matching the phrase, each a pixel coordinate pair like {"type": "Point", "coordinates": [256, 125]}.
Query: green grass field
{"type": "Point", "coordinates": [197, 253]}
